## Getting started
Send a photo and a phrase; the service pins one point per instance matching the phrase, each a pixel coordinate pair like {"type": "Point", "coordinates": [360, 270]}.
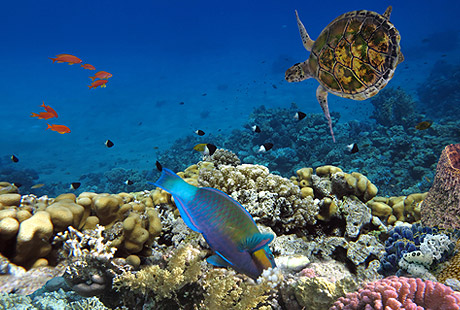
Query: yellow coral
{"type": "Point", "coordinates": [183, 268]}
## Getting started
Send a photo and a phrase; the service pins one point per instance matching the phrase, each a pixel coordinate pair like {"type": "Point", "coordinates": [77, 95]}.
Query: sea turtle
{"type": "Point", "coordinates": [354, 57]}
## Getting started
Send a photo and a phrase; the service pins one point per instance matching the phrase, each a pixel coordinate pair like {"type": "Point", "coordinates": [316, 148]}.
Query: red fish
{"type": "Point", "coordinates": [66, 58]}
{"type": "Point", "coordinates": [88, 66]}
{"type": "Point", "coordinates": [43, 115]}
{"type": "Point", "coordinates": [101, 75]}
{"type": "Point", "coordinates": [49, 109]}
{"type": "Point", "coordinates": [59, 128]}
{"type": "Point", "coordinates": [97, 83]}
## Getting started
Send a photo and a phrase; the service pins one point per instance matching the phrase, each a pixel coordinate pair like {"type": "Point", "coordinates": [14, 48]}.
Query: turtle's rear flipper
{"type": "Point", "coordinates": [321, 95]}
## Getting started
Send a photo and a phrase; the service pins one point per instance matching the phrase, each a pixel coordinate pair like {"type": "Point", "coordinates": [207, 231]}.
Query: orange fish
{"type": "Point", "coordinates": [97, 83]}
{"type": "Point", "coordinates": [49, 109]}
{"type": "Point", "coordinates": [101, 75]}
{"type": "Point", "coordinates": [59, 128]}
{"type": "Point", "coordinates": [43, 115]}
{"type": "Point", "coordinates": [88, 66]}
{"type": "Point", "coordinates": [66, 58]}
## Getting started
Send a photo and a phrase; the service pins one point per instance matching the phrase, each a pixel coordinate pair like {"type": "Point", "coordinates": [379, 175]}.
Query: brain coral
{"type": "Point", "coordinates": [441, 207]}
{"type": "Point", "coordinates": [400, 293]}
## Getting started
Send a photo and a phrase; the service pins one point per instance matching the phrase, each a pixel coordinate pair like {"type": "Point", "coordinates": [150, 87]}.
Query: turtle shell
{"type": "Point", "coordinates": [356, 54]}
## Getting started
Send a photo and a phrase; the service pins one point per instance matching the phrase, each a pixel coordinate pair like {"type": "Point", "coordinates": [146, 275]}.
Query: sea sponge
{"type": "Point", "coordinates": [64, 213]}
{"type": "Point", "coordinates": [106, 208]}
{"type": "Point", "coordinates": [9, 227]}
{"type": "Point", "coordinates": [10, 200]}
{"type": "Point", "coordinates": [32, 241]}
{"type": "Point", "coordinates": [355, 183]}
{"type": "Point", "coordinates": [327, 170]}
{"type": "Point", "coordinates": [441, 207]}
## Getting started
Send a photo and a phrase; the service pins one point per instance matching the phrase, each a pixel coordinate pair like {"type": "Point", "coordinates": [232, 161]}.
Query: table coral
{"type": "Point", "coordinates": [400, 293]}
{"type": "Point", "coordinates": [441, 207]}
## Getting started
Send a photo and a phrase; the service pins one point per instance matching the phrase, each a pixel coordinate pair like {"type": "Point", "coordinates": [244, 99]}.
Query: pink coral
{"type": "Point", "coordinates": [400, 293]}
{"type": "Point", "coordinates": [441, 207]}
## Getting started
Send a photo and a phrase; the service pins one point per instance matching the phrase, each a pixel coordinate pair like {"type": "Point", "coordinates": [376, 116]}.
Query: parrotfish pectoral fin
{"type": "Point", "coordinates": [255, 242]}
{"type": "Point", "coordinates": [218, 261]}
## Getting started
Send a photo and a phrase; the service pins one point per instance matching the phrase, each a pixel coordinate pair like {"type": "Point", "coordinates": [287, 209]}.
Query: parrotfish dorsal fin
{"type": "Point", "coordinates": [255, 242]}
{"type": "Point", "coordinates": [218, 260]}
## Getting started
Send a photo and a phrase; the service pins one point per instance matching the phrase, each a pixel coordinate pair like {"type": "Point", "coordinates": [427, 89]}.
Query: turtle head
{"type": "Point", "coordinates": [298, 72]}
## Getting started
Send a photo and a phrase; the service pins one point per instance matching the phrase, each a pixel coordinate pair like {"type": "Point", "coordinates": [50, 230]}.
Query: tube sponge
{"type": "Point", "coordinates": [441, 207]}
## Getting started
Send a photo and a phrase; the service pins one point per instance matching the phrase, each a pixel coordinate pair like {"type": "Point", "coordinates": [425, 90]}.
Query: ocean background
{"type": "Point", "coordinates": [220, 59]}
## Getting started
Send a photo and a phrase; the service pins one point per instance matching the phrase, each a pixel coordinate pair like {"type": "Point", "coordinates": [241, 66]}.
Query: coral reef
{"type": "Point", "coordinates": [441, 86]}
{"type": "Point", "coordinates": [441, 207]}
{"type": "Point", "coordinates": [400, 293]}
{"type": "Point", "coordinates": [394, 107]}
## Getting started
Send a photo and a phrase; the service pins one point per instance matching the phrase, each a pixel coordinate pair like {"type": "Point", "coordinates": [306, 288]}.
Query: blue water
{"type": "Point", "coordinates": [221, 59]}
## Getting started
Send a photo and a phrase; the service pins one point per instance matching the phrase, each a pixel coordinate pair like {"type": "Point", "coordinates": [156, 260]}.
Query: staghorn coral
{"type": "Point", "coordinates": [400, 293]}
{"type": "Point", "coordinates": [441, 207]}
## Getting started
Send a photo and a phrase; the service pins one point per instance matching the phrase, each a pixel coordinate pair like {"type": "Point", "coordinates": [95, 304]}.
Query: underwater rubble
{"type": "Point", "coordinates": [133, 250]}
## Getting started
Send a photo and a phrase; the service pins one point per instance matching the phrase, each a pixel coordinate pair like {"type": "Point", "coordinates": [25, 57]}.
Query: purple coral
{"type": "Point", "coordinates": [400, 293]}
{"type": "Point", "coordinates": [441, 207]}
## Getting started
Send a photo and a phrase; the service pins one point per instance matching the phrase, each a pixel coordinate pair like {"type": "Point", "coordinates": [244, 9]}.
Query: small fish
{"type": "Point", "coordinates": [158, 165]}
{"type": "Point", "coordinates": [75, 185]}
{"type": "Point", "coordinates": [97, 83]}
{"type": "Point", "coordinates": [108, 143]}
{"type": "Point", "coordinates": [181, 103]}
{"type": "Point", "coordinates": [37, 185]}
{"type": "Point", "coordinates": [62, 129]}
{"type": "Point", "coordinates": [88, 67]}
{"type": "Point", "coordinates": [265, 147]}
{"type": "Point", "coordinates": [42, 115]}
{"type": "Point", "coordinates": [255, 128]}
{"type": "Point", "coordinates": [14, 158]}
{"type": "Point", "coordinates": [200, 132]}
{"type": "Point", "coordinates": [129, 182]}
{"type": "Point", "coordinates": [102, 75]}
{"type": "Point", "coordinates": [205, 148]}
{"type": "Point", "coordinates": [299, 116]}
{"type": "Point", "coordinates": [423, 125]}
{"type": "Point", "coordinates": [352, 148]}
{"type": "Point", "coordinates": [49, 109]}
{"type": "Point", "coordinates": [226, 226]}
{"type": "Point", "coordinates": [66, 58]}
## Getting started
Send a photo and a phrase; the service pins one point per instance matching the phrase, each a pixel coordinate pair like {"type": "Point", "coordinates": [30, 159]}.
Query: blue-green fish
{"type": "Point", "coordinates": [227, 227]}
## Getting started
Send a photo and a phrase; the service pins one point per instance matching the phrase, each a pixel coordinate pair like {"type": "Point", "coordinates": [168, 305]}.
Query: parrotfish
{"type": "Point", "coordinates": [226, 226]}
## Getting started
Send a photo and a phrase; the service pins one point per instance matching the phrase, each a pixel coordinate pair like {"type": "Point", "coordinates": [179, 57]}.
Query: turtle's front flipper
{"type": "Point", "coordinates": [321, 95]}
{"type": "Point", "coordinates": [306, 40]}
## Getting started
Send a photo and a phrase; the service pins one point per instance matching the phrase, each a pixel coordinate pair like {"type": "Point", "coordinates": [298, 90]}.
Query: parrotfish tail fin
{"type": "Point", "coordinates": [34, 114]}
{"type": "Point", "coordinates": [49, 126]}
{"type": "Point", "coordinates": [255, 242]}
{"type": "Point", "coordinates": [43, 104]}
{"type": "Point", "coordinates": [90, 86]}
{"type": "Point", "coordinates": [181, 192]}
{"type": "Point", "coordinates": [92, 78]}
{"type": "Point", "coordinates": [321, 95]}
{"type": "Point", "coordinates": [53, 59]}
